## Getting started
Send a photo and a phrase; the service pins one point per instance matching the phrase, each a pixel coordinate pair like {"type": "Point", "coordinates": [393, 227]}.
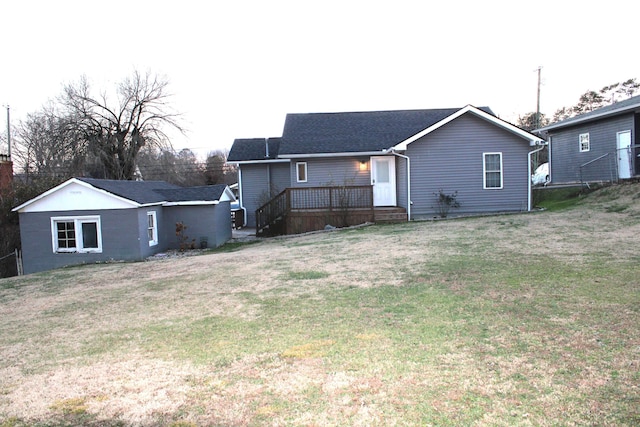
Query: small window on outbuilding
{"type": "Point", "coordinates": [152, 228]}
{"type": "Point", "coordinates": [584, 142]}
{"type": "Point", "coordinates": [301, 171]}
{"type": "Point", "coordinates": [76, 234]}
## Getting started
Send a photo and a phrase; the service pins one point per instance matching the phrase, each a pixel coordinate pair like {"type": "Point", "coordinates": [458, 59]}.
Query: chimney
{"type": "Point", "coordinates": [6, 173]}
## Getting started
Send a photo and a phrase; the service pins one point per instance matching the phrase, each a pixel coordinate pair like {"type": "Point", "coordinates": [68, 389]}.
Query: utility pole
{"type": "Point", "coordinates": [538, 100]}
{"type": "Point", "coordinates": [8, 134]}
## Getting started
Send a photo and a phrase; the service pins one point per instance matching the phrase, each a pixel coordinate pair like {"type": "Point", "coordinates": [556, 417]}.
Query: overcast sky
{"type": "Point", "coordinates": [236, 68]}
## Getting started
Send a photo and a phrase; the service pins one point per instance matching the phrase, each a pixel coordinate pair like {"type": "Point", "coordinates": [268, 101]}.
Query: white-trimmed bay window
{"type": "Point", "coordinates": [492, 167]}
{"type": "Point", "coordinates": [152, 228]}
{"type": "Point", "coordinates": [76, 234]}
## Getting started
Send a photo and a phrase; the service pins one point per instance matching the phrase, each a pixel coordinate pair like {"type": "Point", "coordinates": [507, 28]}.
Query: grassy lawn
{"type": "Point", "coordinates": [510, 320]}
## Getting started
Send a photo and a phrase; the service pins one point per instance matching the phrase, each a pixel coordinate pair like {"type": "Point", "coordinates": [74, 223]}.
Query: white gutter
{"type": "Point", "coordinates": [392, 151]}
{"type": "Point", "coordinates": [249, 162]}
{"type": "Point", "coordinates": [529, 198]}
{"type": "Point", "coordinates": [352, 154]}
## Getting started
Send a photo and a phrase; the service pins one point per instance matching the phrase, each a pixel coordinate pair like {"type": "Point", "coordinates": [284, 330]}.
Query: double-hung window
{"type": "Point", "coordinates": [152, 228]}
{"type": "Point", "coordinates": [492, 166]}
{"type": "Point", "coordinates": [583, 139]}
{"type": "Point", "coordinates": [301, 172]}
{"type": "Point", "coordinates": [76, 234]}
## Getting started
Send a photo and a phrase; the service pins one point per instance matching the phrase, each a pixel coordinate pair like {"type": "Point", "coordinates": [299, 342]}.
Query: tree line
{"type": "Point", "coordinates": [588, 101]}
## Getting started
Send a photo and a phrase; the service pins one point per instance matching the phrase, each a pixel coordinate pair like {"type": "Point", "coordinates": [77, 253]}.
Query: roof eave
{"type": "Point", "coordinates": [343, 154]}
{"type": "Point", "coordinates": [259, 161]}
{"type": "Point", "coordinates": [533, 140]}
{"type": "Point", "coordinates": [579, 120]}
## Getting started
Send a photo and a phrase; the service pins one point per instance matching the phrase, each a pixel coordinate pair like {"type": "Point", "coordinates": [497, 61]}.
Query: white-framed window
{"type": "Point", "coordinates": [301, 171]}
{"type": "Point", "coordinates": [583, 139]}
{"type": "Point", "coordinates": [76, 234]}
{"type": "Point", "coordinates": [492, 166]}
{"type": "Point", "coordinates": [152, 228]}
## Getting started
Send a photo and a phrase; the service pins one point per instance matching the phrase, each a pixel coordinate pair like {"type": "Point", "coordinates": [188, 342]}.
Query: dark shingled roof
{"type": "Point", "coordinates": [144, 192]}
{"type": "Point", "coordinates": [356, 132]}
{"type": "Point", "coordinates": [205, 193]}
{"type": "Point", "coordinates": [253, 149]}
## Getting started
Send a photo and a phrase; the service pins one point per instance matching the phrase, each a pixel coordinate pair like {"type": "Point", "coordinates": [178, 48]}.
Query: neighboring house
{"type": "Point", "coordinates": [406, 157]}
{"type": "Point", "coordinates": [601, 145]}
{"type": "Point", "coordinates": [87, 220]}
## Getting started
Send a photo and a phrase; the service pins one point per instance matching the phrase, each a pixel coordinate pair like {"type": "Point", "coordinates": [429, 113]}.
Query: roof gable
{"type": "Point", "coordinates": [469, 109]}
{"type": "Point", "coordinates": [75, 195]}
{"type": "Point", "coordinates": [79, 194]}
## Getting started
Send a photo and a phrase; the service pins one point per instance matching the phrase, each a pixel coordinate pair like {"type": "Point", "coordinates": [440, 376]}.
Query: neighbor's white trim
{"type": "Point", "coordinates": [77, 182]}
{"type": "Point", "coordinates": [533, 140]}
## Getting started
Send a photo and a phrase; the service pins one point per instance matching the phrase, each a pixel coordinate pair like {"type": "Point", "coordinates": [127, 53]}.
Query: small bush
{"type": "Point", "coordinates": [445, 202]}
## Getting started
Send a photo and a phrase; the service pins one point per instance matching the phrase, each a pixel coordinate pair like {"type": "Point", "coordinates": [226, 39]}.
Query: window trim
{"type": "Point", "coordinates": [306, 175]}
{"type": "Point", "coordinates": [153, 228]}
{"type": "Point", "coordinates": [581, 142]}
{"type": "Point", "coordinates": [77, 226]}
{"type": "Point", "coordinates": [485, 171]}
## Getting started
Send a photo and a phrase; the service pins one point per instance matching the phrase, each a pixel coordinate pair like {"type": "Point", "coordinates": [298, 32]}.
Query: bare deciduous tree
{"type": "Point", "coordinates": [114, 134]}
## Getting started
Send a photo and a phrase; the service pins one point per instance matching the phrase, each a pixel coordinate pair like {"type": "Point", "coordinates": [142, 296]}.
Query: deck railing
{"type": "Point", "coordinates": [339, 198]}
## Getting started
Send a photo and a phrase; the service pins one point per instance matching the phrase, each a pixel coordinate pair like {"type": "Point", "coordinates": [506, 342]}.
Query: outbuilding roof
{"type": "Point", "coordinates": [139, 193]}
{"type": "Point", "coordinates": [621, 107]}
{"type": "Point", "coordinates": [143, 192]}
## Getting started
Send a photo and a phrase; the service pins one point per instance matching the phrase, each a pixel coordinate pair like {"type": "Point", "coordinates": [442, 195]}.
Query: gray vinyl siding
{"type": "Point", "coordinates": [451, 159]}
{"type": "Point", "coordinates": [124, 234]}
{"type": "Point", "coordinates": [566, 157]}
{"type": "Point", "coordinates": [209, 222]}
{"type": "Point", "coordinates": [120, 239]}
{"type": "Point", "coordinates": [256, 180]}
{"type": "Point", "coordinates": [332, 171]}
{"type": "Point", "coordinates": [401, 182]}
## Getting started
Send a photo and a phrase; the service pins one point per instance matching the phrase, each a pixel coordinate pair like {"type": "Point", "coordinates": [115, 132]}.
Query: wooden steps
{"type": "Point", "coordinates": [389, 214]}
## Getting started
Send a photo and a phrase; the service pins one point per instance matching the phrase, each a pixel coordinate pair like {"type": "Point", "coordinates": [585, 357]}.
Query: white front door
{"type": "Point", "coordinates": [624, 154]}
{"type": "Point", "coordinates": [383, 179]}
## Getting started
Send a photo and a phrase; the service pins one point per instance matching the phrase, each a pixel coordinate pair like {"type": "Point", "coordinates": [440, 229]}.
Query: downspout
{"type": "Point", "coordinates": [244, 211]}
{"type": "Point", "coordinates": [408, 181]}
{"type": "Point", "coordinates": [529, 198]}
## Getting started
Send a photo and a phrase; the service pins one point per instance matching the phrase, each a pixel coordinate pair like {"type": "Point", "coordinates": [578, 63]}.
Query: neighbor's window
{"type": "Point", "coordinates": [584, 142]}
{"type": "Point", "coordinates": [492, 170]}
{"type": "Point", "coordinates": [76, 234]}
{"type": "Point", "coordinates": [301, 171]}
{"type": "Point", "coordinates": [152, 228]}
